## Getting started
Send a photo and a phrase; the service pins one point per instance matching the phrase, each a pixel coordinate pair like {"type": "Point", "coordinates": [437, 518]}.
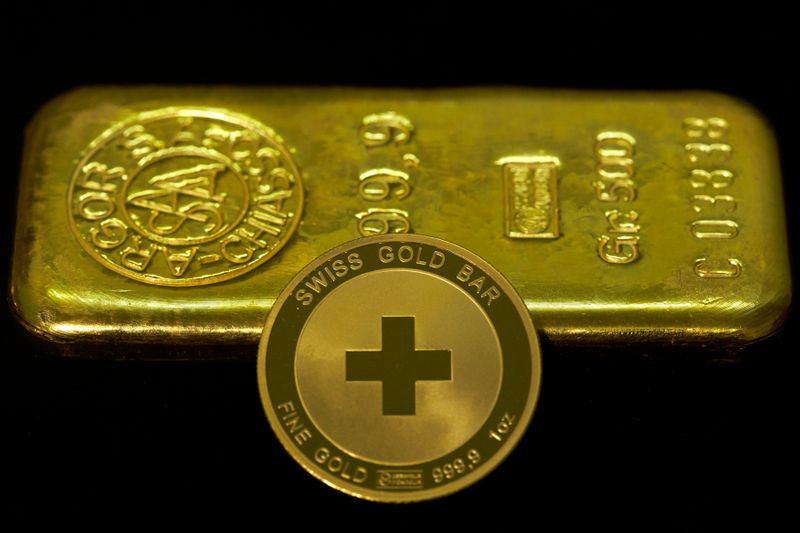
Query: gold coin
{"type": "Point", "coordinates": [399, 368]}
{"type": "Point", "coordinates": [185, 196]}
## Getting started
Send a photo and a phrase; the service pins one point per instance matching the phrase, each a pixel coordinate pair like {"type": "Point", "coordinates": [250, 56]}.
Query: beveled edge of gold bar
{"type": "Point", "coordinates": [761, 323]}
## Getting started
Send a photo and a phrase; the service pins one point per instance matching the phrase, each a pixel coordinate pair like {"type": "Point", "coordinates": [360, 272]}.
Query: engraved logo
{"type": "Point", "coordinates": [185, 197]}
{"type": "Point", "coordinates": [531, 194]}
{"type": "Point", "coordinates": [399, 480]}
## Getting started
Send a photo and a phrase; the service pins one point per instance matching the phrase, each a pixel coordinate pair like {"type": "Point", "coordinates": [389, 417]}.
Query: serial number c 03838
{"type": "Point", "coordinates": [712, 183]}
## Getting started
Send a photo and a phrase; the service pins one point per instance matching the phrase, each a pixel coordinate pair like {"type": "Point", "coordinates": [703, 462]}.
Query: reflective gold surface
{"type": "Point", "coordinates": [619, 217]}
{"type": "Point", "coordinates": [403, 377]}
{"type": "Point", "coordinates": [350, 317]}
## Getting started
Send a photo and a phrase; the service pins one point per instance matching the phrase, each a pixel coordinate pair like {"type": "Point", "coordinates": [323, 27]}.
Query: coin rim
{"type": "Point", "coordinates": [177, 112]}
{"type": "Point", "coordinates": [424, 494]}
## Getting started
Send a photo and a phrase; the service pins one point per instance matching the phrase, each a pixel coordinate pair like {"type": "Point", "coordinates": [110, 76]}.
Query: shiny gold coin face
{"type": "Point", "coordinates": [184, 196]}
{"type": "Point", "coordinates": [399, 368]}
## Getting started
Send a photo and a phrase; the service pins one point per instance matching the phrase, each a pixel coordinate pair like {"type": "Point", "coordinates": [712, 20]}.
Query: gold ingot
{"type": "Point", "coordinates": [163, 222]}
{"type": "Point", "coordinates": [401, 377]}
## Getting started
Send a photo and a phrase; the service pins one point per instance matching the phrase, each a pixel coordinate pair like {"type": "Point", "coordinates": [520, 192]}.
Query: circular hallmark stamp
{"type": "Point", "coordinates": [399, 368]}
{"type": "Point", "coordinates": [184, 196]}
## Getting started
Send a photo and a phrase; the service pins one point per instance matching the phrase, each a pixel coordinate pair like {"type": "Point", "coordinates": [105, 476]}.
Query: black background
{"type": "Point", "coordinates": [624, 442]}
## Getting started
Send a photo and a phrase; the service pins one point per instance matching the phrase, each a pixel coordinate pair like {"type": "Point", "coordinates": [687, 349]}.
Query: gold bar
{"type": "Point", "coordinates": [164, 221]}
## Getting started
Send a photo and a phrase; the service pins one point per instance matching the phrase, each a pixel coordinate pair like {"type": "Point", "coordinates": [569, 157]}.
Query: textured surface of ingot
{"type": "Point", "coordinates": [619, 217]}
{"type": "Point", "coordinates": [397, 381]}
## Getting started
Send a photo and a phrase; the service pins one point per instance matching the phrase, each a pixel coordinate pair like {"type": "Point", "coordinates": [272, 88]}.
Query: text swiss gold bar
{"type": "Point", "coordinates": [163, 222]}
